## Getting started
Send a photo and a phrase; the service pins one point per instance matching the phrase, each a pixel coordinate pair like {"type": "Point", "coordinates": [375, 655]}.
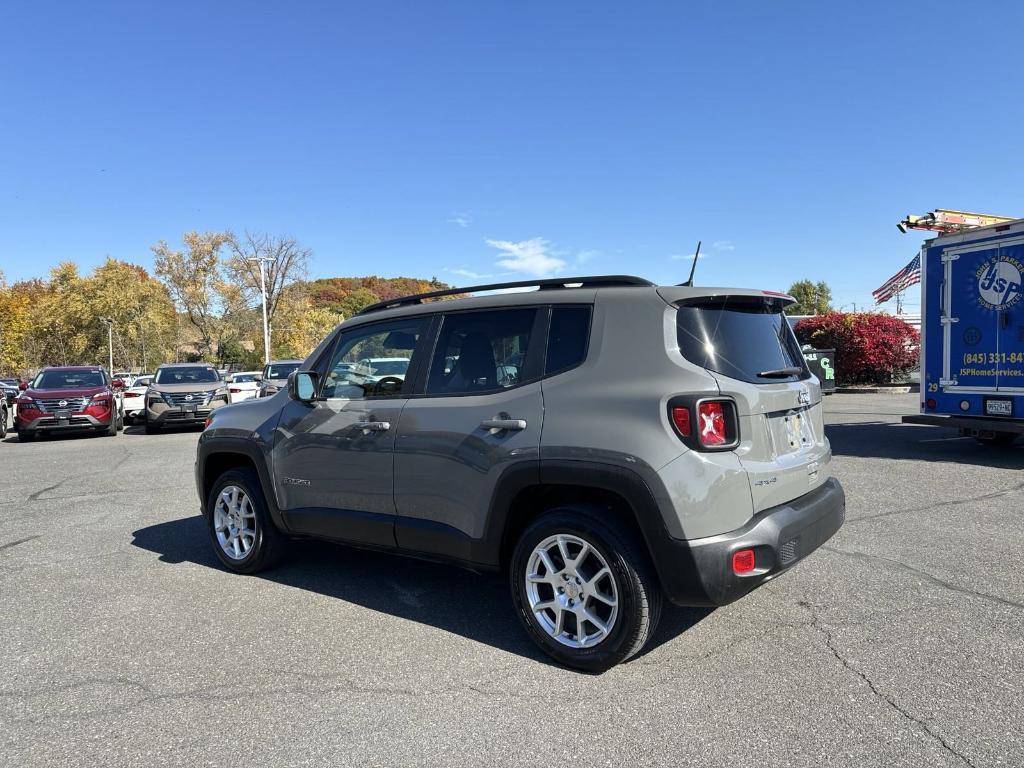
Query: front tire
{"type": "Point", "coordinates": [241, 531]}
{"type": "Point", "coordinates": [584, 589]}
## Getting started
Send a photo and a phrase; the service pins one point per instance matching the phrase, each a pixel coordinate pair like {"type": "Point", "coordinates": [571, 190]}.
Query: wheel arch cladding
{"type": "Point", "coordinates": [219, 455]}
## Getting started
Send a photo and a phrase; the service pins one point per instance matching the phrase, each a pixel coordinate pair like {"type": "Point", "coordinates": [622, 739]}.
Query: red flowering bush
{"type": "Point", "coordinates": [870, 347]}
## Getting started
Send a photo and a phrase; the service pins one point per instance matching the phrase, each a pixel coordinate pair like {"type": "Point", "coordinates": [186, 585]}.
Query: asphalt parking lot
{"type": "Point", "coordinates": [123, 643]}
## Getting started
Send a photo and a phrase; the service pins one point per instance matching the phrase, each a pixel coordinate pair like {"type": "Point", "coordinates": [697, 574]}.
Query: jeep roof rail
{"type": "Point", "coordinates": [599, 281]}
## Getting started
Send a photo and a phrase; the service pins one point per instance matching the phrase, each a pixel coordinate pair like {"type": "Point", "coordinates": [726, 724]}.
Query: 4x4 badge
{"type": "Point", "coordinates": [803, 397]}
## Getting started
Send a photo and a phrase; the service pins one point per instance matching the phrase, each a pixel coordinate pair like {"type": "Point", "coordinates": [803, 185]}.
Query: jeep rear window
{"type": "Point", "coordinates": [740, 337]}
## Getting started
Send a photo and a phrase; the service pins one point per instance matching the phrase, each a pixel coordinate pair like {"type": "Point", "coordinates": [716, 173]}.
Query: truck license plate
{"type": "Point", "coordinates": [63, 414]}
{"type": "Point", "coordinates": [999, 407]}
{"type": "Point", "coordinates": [188, 408]}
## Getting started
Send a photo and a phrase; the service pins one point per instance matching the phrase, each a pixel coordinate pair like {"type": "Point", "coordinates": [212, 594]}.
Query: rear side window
{"type": "Point", "coordinates": [743, 338]}
{"type": "Point", "coordinates": [481, 351]}
{"type": "Point", "coordinates": [567, 338]}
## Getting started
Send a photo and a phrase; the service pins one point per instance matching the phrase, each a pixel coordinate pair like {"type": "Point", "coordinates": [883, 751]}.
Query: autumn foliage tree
{"type": "Point", "coordinates": [870, 347]}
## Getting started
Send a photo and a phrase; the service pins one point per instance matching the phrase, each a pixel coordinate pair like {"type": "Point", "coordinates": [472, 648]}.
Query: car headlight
{"type": "Point", "coordinates": [27, 403]}
{"type": "Point", "coordinates": [102, 398]}
{"type": "Point", "coordinates": [220, 394]}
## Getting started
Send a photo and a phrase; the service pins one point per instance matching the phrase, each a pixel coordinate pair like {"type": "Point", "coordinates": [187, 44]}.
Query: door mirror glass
{"type": "Point", "coordinates": [302, 386]}
{"type": "Point", "coordinates": [23, 386]}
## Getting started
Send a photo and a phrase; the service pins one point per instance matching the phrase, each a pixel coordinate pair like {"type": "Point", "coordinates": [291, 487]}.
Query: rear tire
{"type": "Point", "coordinates": [620, 609]}
{"type": "Point", "coordinates": [3, 422]}
{"type": "Point", "coordinates": [999, 440]}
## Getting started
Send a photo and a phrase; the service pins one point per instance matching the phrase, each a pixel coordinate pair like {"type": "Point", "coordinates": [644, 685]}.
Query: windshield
{"type": "Point", "coordinates": [389, 367]}
{"type": "Point", "coordinates": [68, 380]}
{"type": "Point", "coordinates": [279, 370]}
{"type": "Point", "coordinates": [740, 338]}
{"type": "Point", "coordinates": [199, 374]}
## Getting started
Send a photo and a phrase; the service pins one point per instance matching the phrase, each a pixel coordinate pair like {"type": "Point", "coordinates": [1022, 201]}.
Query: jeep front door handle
{"type": "Point", "coordinates": [512, 424]}
{"type": "Point", "coordinates": [373, 426]}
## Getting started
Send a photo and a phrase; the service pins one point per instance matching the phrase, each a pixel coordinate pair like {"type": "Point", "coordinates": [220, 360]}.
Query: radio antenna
{"type": "Point", "coordinates": [693, 268]}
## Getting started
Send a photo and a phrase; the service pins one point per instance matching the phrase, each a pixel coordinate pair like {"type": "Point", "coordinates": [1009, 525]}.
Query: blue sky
{"type": "Point", "coordinates": [466, 140]}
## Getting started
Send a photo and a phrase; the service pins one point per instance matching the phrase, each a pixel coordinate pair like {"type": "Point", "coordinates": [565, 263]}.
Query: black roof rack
{"type": "Point", "coordinates": [600, 281]}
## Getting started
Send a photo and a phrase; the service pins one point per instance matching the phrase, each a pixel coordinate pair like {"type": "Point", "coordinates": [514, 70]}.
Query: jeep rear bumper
{"type": "Point", "coordinates": [699, 572]}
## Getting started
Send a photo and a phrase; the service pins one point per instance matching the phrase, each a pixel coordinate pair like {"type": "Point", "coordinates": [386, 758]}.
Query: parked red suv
{"type": "Point", "coordinates": [69, 398]}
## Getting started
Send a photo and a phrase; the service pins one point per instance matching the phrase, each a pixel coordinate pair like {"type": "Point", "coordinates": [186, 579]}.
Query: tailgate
{"type": "Point", "coordinates": [746, 343]}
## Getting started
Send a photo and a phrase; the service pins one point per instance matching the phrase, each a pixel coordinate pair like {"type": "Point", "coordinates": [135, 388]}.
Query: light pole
{"type": "Point", "coordinates": [110, 341]}
{"type": "Point", "coordinates": [263, 291]}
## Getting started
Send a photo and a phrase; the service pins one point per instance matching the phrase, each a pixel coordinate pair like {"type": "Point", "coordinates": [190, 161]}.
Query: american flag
{"type": "Point", "coordinates": [906, 277]}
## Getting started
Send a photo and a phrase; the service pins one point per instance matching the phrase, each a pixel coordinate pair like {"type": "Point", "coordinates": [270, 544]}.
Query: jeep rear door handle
{"type": "Point", "coordinates": [513, 424]}
{"type": "Point", "coordinates": [373, 426]}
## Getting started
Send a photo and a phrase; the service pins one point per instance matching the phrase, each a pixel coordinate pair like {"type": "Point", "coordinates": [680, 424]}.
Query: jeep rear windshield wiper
{"type": "Point", "coordinates": [780, 373]}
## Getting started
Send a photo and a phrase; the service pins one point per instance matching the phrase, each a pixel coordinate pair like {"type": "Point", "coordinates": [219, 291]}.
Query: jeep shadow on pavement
{"type": "Point", "coordinates": [604, 443]}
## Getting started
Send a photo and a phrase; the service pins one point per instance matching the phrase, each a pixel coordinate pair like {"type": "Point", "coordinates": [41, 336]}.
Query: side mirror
{"type": "Point", "coordinates": [302, 386]}
{"type": "Point", "coordinates": [22, 385]}
{"type": "Point", "coordinates": [258, 378]}
{"type": "Point", "coordinates": [117, 384]}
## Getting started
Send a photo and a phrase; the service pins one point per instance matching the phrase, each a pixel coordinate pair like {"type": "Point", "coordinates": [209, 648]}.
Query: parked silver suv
{"type": "Point", "coordinates": [604, 442]}
{"type": "Point", "coordinates": [183, 394]}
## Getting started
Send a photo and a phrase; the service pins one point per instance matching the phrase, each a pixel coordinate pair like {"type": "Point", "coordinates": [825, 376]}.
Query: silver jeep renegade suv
{"type": "Point", "coordinates": [604, 442]}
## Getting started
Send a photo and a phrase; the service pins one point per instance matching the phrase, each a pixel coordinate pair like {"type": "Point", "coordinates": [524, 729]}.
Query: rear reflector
{"type": "Point", "coordinates": [712, 423]}
{"type": "Point", "coordinates": [681, 418]}
{"type": "Point", "coordinates": [234, 391]}
{"type": "Point", "coordinates": [931, 403]}
{"type": "Point", "coordinates": [133, 394]}
{"type": "Point", "coordinates": [743, 561]}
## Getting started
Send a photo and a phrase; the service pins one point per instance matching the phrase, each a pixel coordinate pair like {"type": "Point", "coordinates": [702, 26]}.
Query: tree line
{"type": "Point", "coordinates": [202, 302]}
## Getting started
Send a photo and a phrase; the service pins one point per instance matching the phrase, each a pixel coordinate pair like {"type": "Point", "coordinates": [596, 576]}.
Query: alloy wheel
{"type": "Point", "coordinates": [234, 522]}
{"type": "Point", "coordinates": [571, 591]}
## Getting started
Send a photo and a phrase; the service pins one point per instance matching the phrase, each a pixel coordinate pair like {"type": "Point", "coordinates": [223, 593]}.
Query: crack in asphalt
{"type": "Point", "coordinates": [210, 693]}
{"type": "Point", "coordinates": [830, 644]}
{"type": "Point", "coordinates": [936, 505]}
{"type": "Point", "coordinates": [36, 495]}
{"type": "Point", "coordinates": [10, 544]}
{"type": "Point", "coordinates": [933, 580]}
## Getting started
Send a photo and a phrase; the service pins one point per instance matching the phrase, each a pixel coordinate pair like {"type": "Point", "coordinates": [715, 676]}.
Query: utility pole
{"type": "Point", "coordinates": [263, 292]}
{"type": "Point", "coordinates": [142, 338]}
{"type": "Point", "coordinates": [110, 341]}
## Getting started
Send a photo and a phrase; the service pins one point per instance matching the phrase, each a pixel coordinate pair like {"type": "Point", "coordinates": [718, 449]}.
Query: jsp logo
{"type": "Point", "coordinates": [999, 282]}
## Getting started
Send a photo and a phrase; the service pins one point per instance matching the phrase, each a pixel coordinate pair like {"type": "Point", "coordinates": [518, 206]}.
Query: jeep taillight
{"type": "Point", "coordinates": [705, 424]}
{"type": "Point", "coordinates": [711, 424]}
{"type": "Point", "coordinates": [681, 419]}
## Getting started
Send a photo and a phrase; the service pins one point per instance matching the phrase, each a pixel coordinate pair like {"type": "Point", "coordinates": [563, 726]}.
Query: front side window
{"type": "Point", "coordinates": [372, 361]}
{"type": "Point", "coordinates": [481, 351]}
{"type": "Point", "coordinates": [192, 374]}
{"type": "Point", "coordinates": [741, 337]}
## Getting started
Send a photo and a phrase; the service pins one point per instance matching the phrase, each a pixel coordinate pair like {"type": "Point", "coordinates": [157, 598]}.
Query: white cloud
{"type": "Point", "coordinates": [462, 218]}
{"type": "Point", "coordinates": [586, 255]}
{"type": "Point", "coordinates": [685, 256]}
{"type": "Point", "coordinates": [467, 273]}
{"type": "Point", "coordinates": [533, 257]}
{"type": "Point", "coordinates": [723, 245]}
